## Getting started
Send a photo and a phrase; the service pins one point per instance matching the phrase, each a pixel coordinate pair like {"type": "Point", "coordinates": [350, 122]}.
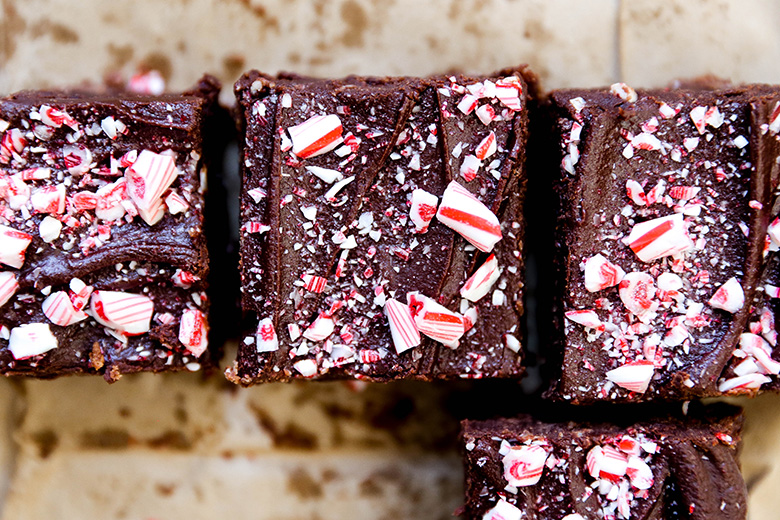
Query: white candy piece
{"type": "Point", "coordinates": [435, 320]}
{"type": "Point", "coordinates": [49, 229]}
{"type": "Point", "coordinates": [480, 283]}
{"type": "Point", "coordinates": [13, 245]}
{"type": "Point", "coordinates": [193, 333]}
{"type": "Point", "coordinates": [127, 313]}
{"type": "Point", "coordinates": [465, 214]}
{"type": "Point", "coordinates": [659, 237]}
{"type": "Point", "coordinates": [600, 273]}
{"type": "Point", "coordinates": [266, 338]}
{"type": "Point", "coordinates": [423, 209]}
{"type": "Point", "coordinates": [729, 297]}
{"type": "Point", "coordinates": [147, 179]}
{"type": "Point", "coordinates": [634, 376]}
{"type": "Point", "coordinates": [503, 510]}
{"type": "Point", "coordinates": [402, 327]}
{"type": "Point", "coordinates": [8, 286]}
{"type": "Point", "coordinates": [60, 310]}
{"type": "Point", "coordinates": [316, 136]}
{"type": "Point", "coordinates": [523, 465]}
{"type": "Point", "coordinates": [30, 340]}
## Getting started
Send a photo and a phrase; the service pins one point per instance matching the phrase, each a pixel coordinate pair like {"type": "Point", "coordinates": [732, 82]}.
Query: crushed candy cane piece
{"type": "Point", "coordinates": [503, 510]}
{"type": "Point", "coordinates": [486, 147]}
{"type": "Point", "coordinates": [193, 332]}
{"type": "Point", "coordinates": [266, 338]}
{"type": "Point", "coordinates": [480, 283]}
{"type": "Point", "coordinates": [659, 237]}
{"type": "Point", "coordinates": [729, 297]}
{"type": "Point", "coordinates": [434, 320]}
{"type": "Point", "coordinates": [127, 313]}
{"type": "Point", "coordinates": [637, 291]}
{"type": "Point", "coordinates": [31, 339]}
{"type": "Point", "coordinates": [624, 92]}
{"type": "Point", "coordinates": [8, 286]}
{"type": "Point", "coordinates": [306, 367]}
{"type": "Point", "coordinates": [465, 214]}
{"type": "Point", "coordinates": [402, 326]}
{"type": "Point", "coordinates": [13, 245]}
{"type": "Point", "coordinates": [316, 136]}
{"type": "Point", "coordinates": [634, 376]}
{"type": "Point", "coordinates": [636, 193]}
{"type": "Point", "coordinates": [523, 465]}
{"type": "Point", "coordinates": [606, 462]}
{"type": "Point", "coordinates": [600, 273]}
{"type": "Point", "coordinates": [320, 328]}
{"type": "Point", "coordinates": [587, 318]}
{"type": "Point", "coordinates": [59, 308]}
{"type": "Point", "coordinates": [314, 283]}
{"type": "Point", "coordinates": [147, 179]}
{"type": "Point", "coordinates": [423, 209]}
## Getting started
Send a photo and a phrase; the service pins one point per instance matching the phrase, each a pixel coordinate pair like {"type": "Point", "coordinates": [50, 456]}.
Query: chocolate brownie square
{"type": "Point", "coordinates": [101, 232]}
{"type": "Point", "coordinates": [382, 227]}
{"type": "Point", "coordinates": [663, 202]}
{"type": "Point", "coordinates": [668, 467]}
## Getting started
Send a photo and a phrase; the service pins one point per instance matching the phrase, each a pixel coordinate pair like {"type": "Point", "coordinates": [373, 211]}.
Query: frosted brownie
{"type": "Point", "coordinates": [659, 468]}
{"type": "Point", "coordinates": [382, 227]}
{"type": "Point", "coordinates": [662, 214]}
{"type": "Point", "coordinates": [102, 248]}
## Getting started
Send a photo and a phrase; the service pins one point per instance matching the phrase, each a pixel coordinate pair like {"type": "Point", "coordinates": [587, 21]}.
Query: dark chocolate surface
{"type": "Point", "coordinates": [692, 460]}
{"type": "Point", "coordinates": [121, 254]}
{"type": "Point", "coordinates": [410, 135]}
{"type": "Point", "coordinates": [708, 175]}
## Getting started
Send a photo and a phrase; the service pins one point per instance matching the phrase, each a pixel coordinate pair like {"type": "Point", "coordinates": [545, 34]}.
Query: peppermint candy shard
{"type": "Point", "coordinates": [659, 237]}
{"type": "Point", "coordinates": [13, 246]}
{"type": "Point", "coordinates": [266, 338]}
{"type": "Point", "coordinates": [31, 339]}
{"type": "Point", "coordinates": [523, 465]}
{"type": "Point", "coordinates": [8, 286]}
{"type": "Point", "coordinates": [124, 312]}
{"type": "Point", "coordinates": [586, 317]}
{"type": "Point", "coordinates": [435, 320]}
{"type": "Point", "coordinates": [147, 179]}
{"type": "Point", "coordinates": [402, 326]}
{"type": "Point", "coordinates": [314, 283]}
{"type": "Point", "coordinates": [729, 297]}
{"type": "Point", "coordinates": [573, 516]}
{"type": "Point", "coordinates": [503, 510]}
{"type": "Point", "coordinates": [423, 209]}
{"type": "Point", "coordinates": [193, 332]}
{"type": "Point", "coordinates": [600, 273]}
{"type": "Point", "coordinates": [606, 462]}
{"type": "Point", "coordinates": [739, 384]}
{"type": "Point", "coordinates": [639, 473]}
{"type": "Point", "coordinates": [634, 376]}
{"type": "Point", "coordinates": [480, 283]}
{"type": "Point", "coordinates": [637, 291]}
{"type": "Point", "coordinates": [306, 367]}
{"type": "Point", "coordinates": [320, 328]}
{"type": "Point", "coordinates": [316, 136]}
{"type": "Point", "coordinates": [462, 212]}
{"type": "Point", "coordinates": [60, 310]}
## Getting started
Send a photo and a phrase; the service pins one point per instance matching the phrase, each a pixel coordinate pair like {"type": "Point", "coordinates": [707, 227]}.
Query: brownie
{"type": "Point", "coordinates": [102, 246]}
{"type": "Point", "coordinates": [675, 467]}
{"type": "Point", "coordinates": [662, 200]}
{"type": "Point", "coordinates": [382, 226]}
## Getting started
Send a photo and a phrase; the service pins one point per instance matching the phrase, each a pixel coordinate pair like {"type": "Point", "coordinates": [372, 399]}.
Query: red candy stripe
{"type": "Point", "coordinates": [423, 209]}
{"type": "Point", "coordinates": [659, 237]}
{"type": "Point", "coordinates": [193, 332]}
{"type": "Point", "coordinates": [266, 338]}
{"type": "Point", "coordinates": [316, 136]}
{"type": "Point", "coordinates": [402, 327]}
{"type": "Point", "coordinates": [314, 283]}
{"type": "Point", "coordinates": [127, 313]}
{"type": "Point", "coordinates": [478, 285]}
{"type": "Point", "coordinates": [434, 320]}
{"type": "Point", "coordinates": [462, 212]}
{"type": "Point", "coordinates": [523, 465]}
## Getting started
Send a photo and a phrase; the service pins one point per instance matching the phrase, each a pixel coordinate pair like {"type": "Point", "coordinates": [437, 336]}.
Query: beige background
{"type": "Point", "coordinates": [172, 447]}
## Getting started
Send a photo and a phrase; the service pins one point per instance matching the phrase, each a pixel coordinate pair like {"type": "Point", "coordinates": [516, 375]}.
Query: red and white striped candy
{"type": "Point", "coordinates": [13, 246]}
{"type": "Point", "coordinates": [600, 273]}
{"type": "Point", "coordinates": [659, 237]}
{"type": "Point", "coordinates": [486, 114]}
{"type": "Point", "coordinates": [193, 332]}
{"type": "Point", "coordinates": [316, 136]}
{"type": "Point", "coordinates": [470, 319]}
{"type": "Point", "coordinates": [468, 104]}
{"type": "Point", "coordinates": [176, 203]}
{"type": "Point", "coordinates": [49, 199]}
{"type": "Point", "coordinates": [124, 312]}
{"type": "Point", "coordinates": [606, 462]}
{"type": "Point", "coordinates": [774, 119]}
{"type": "Point", "coordinates": [79, 293]}
{"type": "Point", "coordinates": [684, 192]}
{"type": "Point", "coordinates": [56, 118]}
{"type": "Point", "coordinates": [629, 446]}
{"type": "Point", "coordinates": [434, 320]}
{"type": "Point", "coordinates": [314, 283]}
{"type": "Point", "coordinates": [17, 192]}
{"type": "Point", "coordinates": [147, 179]}
{"type": "Point", "coordinates": [697, 116]}
{"type": "Point", "coordinates": [423, 209]}
{"type": "Point", "coordinates": [639, 473]}
{"type": "Point", "coordinates": [756, 346]}
{"type": "Point", "coordinates": [637, 291]}
{"type": "Point", "coordinates": [774, 231]}
{"type": "Point", "coordinates": [463, 213]}
{"type": "Point", "coordinates": [587, 318]}
{"type": "Point", "coordinates": [469, 167]}
{"type": "Point", "coordinates": [266, 338]}
{"type": "Point", "coordinates": [84, 200]}
{"type": "Point", "coordinates": [523, 465]}
{"type": "Point", "coordinates": [573, 516]}
{"type": "Point", "coordinates": [746, 382]}
{"type": "Point", "coordinates": [508, 91]}
{"type": "Point", "coordinates": [183, 279]}
{"type": "Point", "coordinates": [306, 367]}
{"type": "Point", "coordinates": [634, 376]}
{"type": "Point", "coordinates": [480, 283]}
{"type": "Point", "coordinates": [636, 193]}
{"type": "Point", "coordinates": [402, 328]}
{"type": "Point", "coordinates": [645, 141]}
{"type": "Point", "coordinates": [486, 147]}
{"type": "Point", "coordinates": [12, 142]}
{"type": "Point", "coordinates": [730, 297]}
{"type": "Point", "coordinates": [77, 158]}
{"type": "Point", "coordinates": [320, 328]}
{"type": "Point", "coordinates": [8, 286]}
{"type": "Point", "coordinates": [503, 510]}
{"type": "Point", "coordinates": [109, 201]}
{"type": "Point", "coordinates": [59, 308]}
{"type": "Point", "coordinates": [31, 339]}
